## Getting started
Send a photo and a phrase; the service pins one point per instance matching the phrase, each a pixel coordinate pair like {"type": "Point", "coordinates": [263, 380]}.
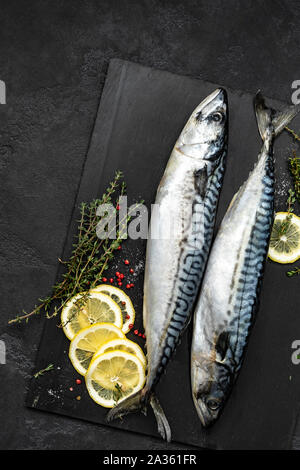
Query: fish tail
{"type": "Point", "coordinates": [162, 422]}
{"type": "Point", "coordinates": [139, 402]}
{"type": "Point", "coordinates": [136, 402]}
{"type": "Point", "coordinates": [271, 121]}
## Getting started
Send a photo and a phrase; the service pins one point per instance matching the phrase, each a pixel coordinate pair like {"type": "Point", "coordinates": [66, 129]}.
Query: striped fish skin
{"type": "Point", "coordinates": [189, 191]}
{"type": "Point", "coordinates": [228, 301]}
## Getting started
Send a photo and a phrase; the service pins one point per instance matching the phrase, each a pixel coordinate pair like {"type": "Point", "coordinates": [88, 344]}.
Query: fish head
{"type": "Point", "coordinates": [211, 386]}
{"type": "Point", "coordinates": [205, 134]}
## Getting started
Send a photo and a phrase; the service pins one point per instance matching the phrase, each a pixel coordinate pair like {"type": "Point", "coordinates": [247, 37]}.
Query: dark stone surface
{"type": "Point", "coordinates": [136, 126]}
{"type": "Point", "coordinates": [53, 58]}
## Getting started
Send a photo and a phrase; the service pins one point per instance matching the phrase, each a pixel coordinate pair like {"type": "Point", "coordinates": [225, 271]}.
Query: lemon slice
{"type": "Point", "coordinates": [113, 376]}
{"type": "Point", "coordinates": [84, 345]}
{"type": "Point", "coordinates": [122, 300]}
{"type": "Point", "coordinates": [123, 345]}
{"type": "Point", "coordinates": [285, 247]}
{"type": "Point", "coordinates": [80, 313]}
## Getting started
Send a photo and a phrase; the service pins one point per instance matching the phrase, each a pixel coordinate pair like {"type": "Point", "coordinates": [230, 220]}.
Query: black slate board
{"type": "Point", "coordinates": [141, 114]}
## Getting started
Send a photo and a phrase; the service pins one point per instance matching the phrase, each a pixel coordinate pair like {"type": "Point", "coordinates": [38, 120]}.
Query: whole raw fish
{"type": "Point", "coordinates": [229, 295]}
{"type": "Point", "coordinates": [187, 199]}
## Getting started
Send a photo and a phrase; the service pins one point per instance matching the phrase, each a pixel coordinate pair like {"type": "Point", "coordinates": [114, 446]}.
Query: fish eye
{"type": "Point", "coordinates": [213, 404]}
{"type": "Point", "coordinates": [217, 117]}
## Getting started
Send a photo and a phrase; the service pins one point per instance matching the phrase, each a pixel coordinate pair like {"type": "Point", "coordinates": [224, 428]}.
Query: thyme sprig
{"type": "Point", "coordinates": [293, 133]}
{"type": "Point", "coordinates": [290, 209]}
{"type": "Point", "coordinates": [42, 371]}
{"type": "Point", "coordinates": [294, 194]}
{"type": "Point", "coordinates": [294, 167]}
{"type": "Point", "coordinates": [293, 272]}
{"type": "Point", "coordinates": [90, 255]}
{"type": "Point", "coordinates": [117, 393]}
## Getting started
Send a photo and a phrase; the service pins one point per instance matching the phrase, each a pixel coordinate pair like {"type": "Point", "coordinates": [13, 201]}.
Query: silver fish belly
{"type": "Point", "coordinates": [229, 295]}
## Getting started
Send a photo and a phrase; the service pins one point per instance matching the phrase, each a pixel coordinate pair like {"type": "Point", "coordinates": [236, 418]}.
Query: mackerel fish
{"type": "Point", "coordinates": [187, 199]}
{"type": "Point", "coordinates": [228, 301]}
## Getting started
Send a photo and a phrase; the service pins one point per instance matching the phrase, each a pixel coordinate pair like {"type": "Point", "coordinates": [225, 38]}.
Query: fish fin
{"type": "Point", "coordinates": [232, 200]}
{"type": "Point", "coordinates": [284, 117]}
{"type": "Point", "coordinates": [136, 402]}
{"type": "Point", "coordinates": [201, 179]}
{"type": "Point", "coordinates": [139, 402]}
{"type": "Point", "coordinates": [162, 422]}
{"type": "Point", "coordinates": [222, 344]}
{"type": "Point", "coordinates": [263, 114]}
{"type": "Point", "coordinates": [268, 118]}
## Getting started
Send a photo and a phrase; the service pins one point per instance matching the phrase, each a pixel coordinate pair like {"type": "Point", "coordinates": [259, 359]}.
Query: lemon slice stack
{"type": "Point", "coordinates": [96, 322]}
